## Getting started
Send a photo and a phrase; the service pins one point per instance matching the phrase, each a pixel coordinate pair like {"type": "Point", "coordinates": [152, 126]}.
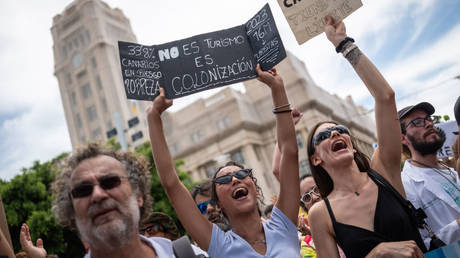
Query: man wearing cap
{"type": "Point", "coordinates": [429, 184]}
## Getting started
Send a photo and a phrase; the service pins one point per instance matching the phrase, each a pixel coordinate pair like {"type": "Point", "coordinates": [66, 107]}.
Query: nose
{"type": "Point", "coordinates": [429, 124]}
{"type": "Point", "coordinates": [334, 133]}
{"type": "Point", "coordinates": [98, 194]}
{"type": "Point", "coordinates": [209, 208]}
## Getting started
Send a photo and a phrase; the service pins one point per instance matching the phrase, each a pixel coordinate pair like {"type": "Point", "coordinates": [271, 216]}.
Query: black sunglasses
{"type": "Point", "coordinates": [325, 134]}
{"type": "Point", "coordinates": [240, 174]}
{"type": "Point", "coordinates": [153, 229]}
{"type": "Point", "coordinates": [107, 182]}
{"type": "Point", "coordinates": [204, 206]}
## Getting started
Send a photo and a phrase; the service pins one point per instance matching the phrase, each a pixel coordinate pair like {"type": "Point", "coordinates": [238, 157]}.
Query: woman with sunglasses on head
{"type": "Point", "coordinates": [235, 191]}
{"type": "Point", "coordinates": [357, 212]}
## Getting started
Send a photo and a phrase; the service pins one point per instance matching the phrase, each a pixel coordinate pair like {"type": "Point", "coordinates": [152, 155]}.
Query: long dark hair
{"type": "Point", "coordinates": [322, 179]}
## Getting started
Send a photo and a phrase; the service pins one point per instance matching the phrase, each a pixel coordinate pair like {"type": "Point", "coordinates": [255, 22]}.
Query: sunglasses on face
{"type": "Point", "coordinates": [107, 182]}
{"type": "Point", "coordinates": [240, 174]}
{"type": "Point", "coordinates": [153, 229]}
{"type": "Point", "coordinates": [325, 134]}
{"type": "Point", "coordinates": [308, 196]}
{"type": "Point", "coordinates": [420, 121]}
{"type": "Point", "coordinates": [203, 207]}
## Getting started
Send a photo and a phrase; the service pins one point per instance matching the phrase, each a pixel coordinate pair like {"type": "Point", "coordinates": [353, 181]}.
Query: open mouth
{"type": "Point", "coordinates": [338, 145]}
{"type": "Point", "coordinates": [239, 193]}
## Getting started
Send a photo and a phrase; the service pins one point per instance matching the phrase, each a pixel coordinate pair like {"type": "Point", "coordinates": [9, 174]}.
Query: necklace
{"type": "Point", "coordinates": [263, 241]}
{"type": "Point", "coordinates": [451, 173]}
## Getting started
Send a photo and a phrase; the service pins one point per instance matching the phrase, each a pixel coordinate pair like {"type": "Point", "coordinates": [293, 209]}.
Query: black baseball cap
{"type": "Point", "coordinates": [425, 106]}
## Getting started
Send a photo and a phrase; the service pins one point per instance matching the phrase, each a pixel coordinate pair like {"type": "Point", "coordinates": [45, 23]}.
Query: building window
{"type": "Point", "coordinates": [93, 62]}
{"type": "Point", "coordinates": [91, 113]}
{"type": "Point", "coordinates": [137, 136]}
{"type": "Point", "coordinates": [105, 108]}
{"type": "Point", "coordinates": [223, 123]}
{"type": "Point", "coordinates": [96, 134]}
{"type": "Point", "coordinates": [298, 135]}
{"type": "Point", "coordinates": [197, 136]}
{"type": "Point", "coordinates": [78, 120]}
{"type": "Point", "coordinates": [77, 60]}
{"type": "Point", "coordinates": [68, 78]}
{"type": "Point", "coordinates": [73, 98]}
{"type": "Point", "coordinates": [86, 90]}
{"type": "Point", "coordinates": [98, 83]}
{"type": "Point", "coordinates": [237, 156]}
{"type": "Point", "coordinates": [304, 168]}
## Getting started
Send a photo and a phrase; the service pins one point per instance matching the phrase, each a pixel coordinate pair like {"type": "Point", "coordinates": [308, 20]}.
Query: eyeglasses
{"type": "Point", "coordinates": [203, 207]}
{"type": "Point", "coordinates": [420, 121]}
{"type": "Point", "coordinates": [153, 229]}
{"type": "Point", "coordinates": [107, 182]}
{"type": "Point", "coordinates": [240, 174]}
{"type": "Point", "coordinates": [325, 134]}
{"type": "Point", "coordinates": [308, 196]}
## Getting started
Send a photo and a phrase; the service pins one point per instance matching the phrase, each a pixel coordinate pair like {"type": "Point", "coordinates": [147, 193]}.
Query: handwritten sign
{"type": "Point", "coordinates": [201, 62]}
{"type": "Point", "coordinates": [449, 129]}
{"type": "Point", "coordinates": [306, 17]}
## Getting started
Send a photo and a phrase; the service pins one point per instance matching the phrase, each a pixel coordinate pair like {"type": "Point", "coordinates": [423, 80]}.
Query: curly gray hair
{"type": "Point", "coordinates": [136, 166]}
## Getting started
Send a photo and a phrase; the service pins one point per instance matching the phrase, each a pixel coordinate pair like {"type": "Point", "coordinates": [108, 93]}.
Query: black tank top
{"type": "Point", "coordinates": [391, 224]}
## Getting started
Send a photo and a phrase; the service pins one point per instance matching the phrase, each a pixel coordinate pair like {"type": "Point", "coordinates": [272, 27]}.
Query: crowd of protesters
{"type": "Point", "coordinates": [350, 206]}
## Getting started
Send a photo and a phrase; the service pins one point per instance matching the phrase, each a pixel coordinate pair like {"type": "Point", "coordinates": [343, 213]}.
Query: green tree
{"type": "Point", "coordinates": [27, 199]}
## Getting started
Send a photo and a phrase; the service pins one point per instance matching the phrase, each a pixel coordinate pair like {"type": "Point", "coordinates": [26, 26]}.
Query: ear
{"type": "Point", "coordinates": [140, 200]}
{"type": "Point", "coordinates": [354, 151]}
{"type": "Point", "coordinates": [315, 160]}
{"type": "Point", "coordinates": [405, 140]}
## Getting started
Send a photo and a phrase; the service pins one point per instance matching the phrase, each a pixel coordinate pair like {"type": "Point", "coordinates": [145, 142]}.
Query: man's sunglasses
{"type": "Point", "coordinates": [240, 174]}
{"type": "Point", "coordinates": [308, 196]}
{"type": "Point", "coordinates": [204, 206]}
{"type": "Point", "coordinates": [153, 229]}
{"type": "Point", "coordinates": [325, 134]}
{"type": "Point", "coordinates": [420, 121]}
{"type": "Point", "coordinates": [107, 182]}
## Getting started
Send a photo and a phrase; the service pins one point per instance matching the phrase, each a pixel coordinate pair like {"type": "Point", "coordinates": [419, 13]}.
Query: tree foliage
{"type": "Point", "coordinates": [27, 199]}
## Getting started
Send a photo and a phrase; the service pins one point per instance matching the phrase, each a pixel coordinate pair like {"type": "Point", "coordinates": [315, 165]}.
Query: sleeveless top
{"type": "Point", "coordinates": [391, 224]}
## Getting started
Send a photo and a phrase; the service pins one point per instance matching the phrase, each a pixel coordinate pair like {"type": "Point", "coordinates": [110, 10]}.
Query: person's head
{"type": "Point", "coordinates": [332, 146]}
{"type": "Point", "coordinates": [418, 131]}
{"type": "Point", "coordinates": [268, 211]}
{"type": "Point", "coordinates": [201, 194]}
{"type": "Point", "coordinates": [309, 193]}
{"type": "Point", "coordinates": [160, 225]}
{"type": "Point", "coordinates": [235, 190]}
{"type": "Point", "coordinates": [104, 194]}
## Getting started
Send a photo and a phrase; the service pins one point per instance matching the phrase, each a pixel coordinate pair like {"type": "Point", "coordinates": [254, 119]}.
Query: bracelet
{"type": "Point", "coordinates": [349, 49]}
{"type": "Point", "coordinates": [282, 106]}
{"type": "Point", "coordinates": [339, 48]}
{"type": "Point", "coordinates": [281, 111]}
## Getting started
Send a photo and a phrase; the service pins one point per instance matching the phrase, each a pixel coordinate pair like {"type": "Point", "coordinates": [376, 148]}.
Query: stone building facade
{"type": "Point", "coordinates": [87, 68]}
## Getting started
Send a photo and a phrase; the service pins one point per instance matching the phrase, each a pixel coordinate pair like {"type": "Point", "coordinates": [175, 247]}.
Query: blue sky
{"type": "Point", "coordinates": [414, 43]}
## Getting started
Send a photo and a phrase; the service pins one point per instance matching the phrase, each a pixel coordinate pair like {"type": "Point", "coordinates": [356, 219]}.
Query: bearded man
{"type": "Point", "coordinates": [429, 184]}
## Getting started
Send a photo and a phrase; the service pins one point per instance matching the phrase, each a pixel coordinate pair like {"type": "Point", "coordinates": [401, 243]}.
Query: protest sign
{"type": "Point", "coordinates": [306, 17]}
{"type": "Point", "coordinates": [201, 62]}
{"type": "Point", "coordinates": [449, 129]}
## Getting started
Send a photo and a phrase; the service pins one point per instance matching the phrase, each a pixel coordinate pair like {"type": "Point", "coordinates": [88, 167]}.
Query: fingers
{"type": "Point", "coordinates": [329, 20]}
{"type": "Point", "coordinates": [39, 243]}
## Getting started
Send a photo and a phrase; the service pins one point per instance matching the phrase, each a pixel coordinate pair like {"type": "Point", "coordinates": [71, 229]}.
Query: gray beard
{"type": "Point", "coordinates": [113, 237]}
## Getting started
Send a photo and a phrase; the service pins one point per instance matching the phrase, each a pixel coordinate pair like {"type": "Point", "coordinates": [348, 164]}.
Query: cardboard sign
{"type": "Point", "coordinates": [306, 17]}
{"type": "Point", "coordinates": [449, 128]}
{"type": "Point", "coordinates": [201, 62]}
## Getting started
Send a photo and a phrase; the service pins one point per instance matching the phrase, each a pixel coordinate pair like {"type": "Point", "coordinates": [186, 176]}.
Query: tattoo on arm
{"type": "Point", "coordinates": [354, 56]}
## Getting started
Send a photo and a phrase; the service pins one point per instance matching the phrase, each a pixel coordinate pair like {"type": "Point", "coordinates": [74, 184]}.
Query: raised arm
{"type": "Point", "coordinates": [296, 116]}
{"type": "Point", "coordinates": [198, 226]}
{"type": "Point", "coordinates": [386, 159]}
{"type": "Point", "coordinates": [288, 200]}
{"type": "Point", "coordinates": [5, 248]}
{"type": "Point", "coordinates": [457, 117]}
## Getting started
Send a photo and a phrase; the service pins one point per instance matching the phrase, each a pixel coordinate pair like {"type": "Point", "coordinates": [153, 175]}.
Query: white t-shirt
{"type": "Point", "coordinates": [162, 246]}
{"type": "Point", "coordinates": [438, 194]}
{"type": "Point", "coordinates": [280, 235]}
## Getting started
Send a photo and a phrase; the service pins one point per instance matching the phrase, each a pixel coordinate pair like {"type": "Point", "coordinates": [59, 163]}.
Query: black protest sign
{"type": "Point", "coordinates": [265, 39]}
{"type": "Point", "coordinates": [201, 62]}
